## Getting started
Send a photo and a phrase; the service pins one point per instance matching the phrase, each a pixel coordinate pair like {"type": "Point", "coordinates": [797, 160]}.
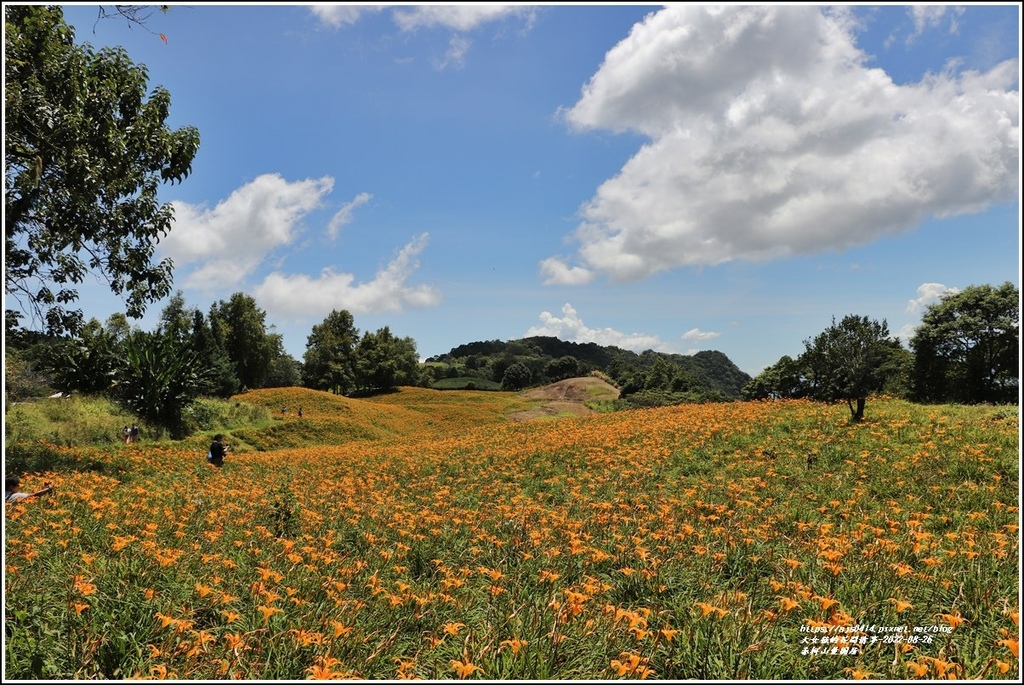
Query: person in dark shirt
{"type": "Point", "coordinates": [217, 451]}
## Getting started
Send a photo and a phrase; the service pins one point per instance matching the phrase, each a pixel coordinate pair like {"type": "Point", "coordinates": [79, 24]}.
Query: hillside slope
{"type": "Point", "coordinates": [568, 397]}
{"type": "Point", "coordinates": [334, 419]}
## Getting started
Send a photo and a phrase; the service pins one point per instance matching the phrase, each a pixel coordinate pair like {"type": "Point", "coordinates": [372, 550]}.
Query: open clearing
{"type": "Point", "coordinates": [566, 398]}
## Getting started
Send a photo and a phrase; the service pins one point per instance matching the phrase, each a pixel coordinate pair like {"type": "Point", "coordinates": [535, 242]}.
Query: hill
{"type": "Point", "coordinates": [570, 397]}
{"type": "Point", "coordinates": [334, 419]}
{"type": "Point", "coordinates": [665, 378]}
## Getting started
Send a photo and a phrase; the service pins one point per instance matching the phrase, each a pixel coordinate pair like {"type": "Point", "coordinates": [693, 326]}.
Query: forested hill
{"type": "Point", "coordinates": [676, 377]}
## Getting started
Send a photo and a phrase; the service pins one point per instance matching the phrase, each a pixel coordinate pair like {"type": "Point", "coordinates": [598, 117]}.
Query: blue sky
{"type": "Point", "coordinates": [677, 178]}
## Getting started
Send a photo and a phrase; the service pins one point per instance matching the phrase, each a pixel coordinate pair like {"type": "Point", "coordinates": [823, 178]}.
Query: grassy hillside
{"type": "Point", "coordinates": [692, 542]}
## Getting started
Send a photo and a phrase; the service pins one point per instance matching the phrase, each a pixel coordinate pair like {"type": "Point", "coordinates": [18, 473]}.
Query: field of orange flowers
{"type": "Point", "coordinates": [428, 537]}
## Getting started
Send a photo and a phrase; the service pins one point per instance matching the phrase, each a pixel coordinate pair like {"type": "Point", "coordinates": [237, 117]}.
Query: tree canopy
{"type": "Point", "coordinates": [967, 348]}
{"type": "Point", "coordinates": [86, 149]}
{"type": "Point", "coordinates": [330, 362]}
{"type": "Point", "coordinates": [845, 361]}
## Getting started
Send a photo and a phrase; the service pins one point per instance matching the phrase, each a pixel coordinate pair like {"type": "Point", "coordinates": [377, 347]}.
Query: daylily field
{"type": "Point", "coordinates": [422, 534]}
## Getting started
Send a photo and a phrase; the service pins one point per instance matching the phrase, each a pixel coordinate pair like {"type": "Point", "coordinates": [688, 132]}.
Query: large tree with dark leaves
{"type": "Point", "coordinates": [86, 148]}
{"type": "Point", "coordinates": [846, 361]}
{"type": "Point", "coordinates": [967, 348]}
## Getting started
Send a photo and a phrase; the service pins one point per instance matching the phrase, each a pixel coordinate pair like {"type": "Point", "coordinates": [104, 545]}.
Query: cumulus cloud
{"type": "Point", "coordinates": [697, 335]}
{"type": "Point", "coordinates": [344, 215]}
{"type": "Point", "coordinates": [294, 296]}
{"type": "Point", "coordinates": [928, 294]}
{"type": "Point", "coordinates": [770, 136]}
{"type": "Point", "coordinates": [557, 272]}
{"type": "Point", "coordinates": [225, 244]}
{"type": "Point", "coordinates": [570, 327]}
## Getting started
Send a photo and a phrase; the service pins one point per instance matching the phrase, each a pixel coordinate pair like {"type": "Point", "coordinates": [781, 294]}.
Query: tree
{"type": "Point", "coordinates": [85, 152]}
{"type": "Point", "coordinates": [330, 359]}
{"type": "Point", "coordinates": [562, 367]}
{"type": "Point", "coordinates": [516, 377]}
{"type": "Point", "coordinates": [87, 362]}
{"type": "Point", "coordinates": [967, 348]}
{"type": "Point", "coordinates": [384, 362]}
{"type": "Point", "coordinates": [247, 342]}
{"type": "Point", "coordinates": [187, 325]}
{"type": "Point", "coordinates": [158, 379]}
{"type": "Point", "coordinates": [783, 379]}
{"type": "Point", "coordinates": [844, 362]}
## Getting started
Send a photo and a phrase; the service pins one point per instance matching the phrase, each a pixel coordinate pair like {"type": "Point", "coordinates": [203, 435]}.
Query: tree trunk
{"type": "Point", "coordinates": [858, 413]}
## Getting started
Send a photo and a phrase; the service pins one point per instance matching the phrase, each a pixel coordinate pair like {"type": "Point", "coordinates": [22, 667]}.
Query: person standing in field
{"type": "Point", "coordinates": [217, 451]}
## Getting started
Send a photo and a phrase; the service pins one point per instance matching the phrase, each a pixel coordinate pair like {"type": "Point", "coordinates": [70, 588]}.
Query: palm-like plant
{"type": "Point", "coordinates": [158, 378]}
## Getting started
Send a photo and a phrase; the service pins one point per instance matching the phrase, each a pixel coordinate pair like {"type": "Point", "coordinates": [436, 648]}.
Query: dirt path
{"type": "Point", "coordinates": [565, 398]}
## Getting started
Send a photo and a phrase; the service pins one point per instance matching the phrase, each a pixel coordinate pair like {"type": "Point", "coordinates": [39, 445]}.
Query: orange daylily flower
{"type": "Point", "coordinates": [900, 605]}
{"type": "Point", "coordinates": [1011, 644]}
{"type": "Point", "coordinates": [514, 644]}
{"type": "Point", "coordinates": [954, 620]}
{"type": "Point", "coordinates": [453, 628]}
{"type": "Point", "coordinates": [788, 603]}
{"type": "Point", "coordinates": [465, 669]}
{"type": "Point", "coordinates": [268, 612]}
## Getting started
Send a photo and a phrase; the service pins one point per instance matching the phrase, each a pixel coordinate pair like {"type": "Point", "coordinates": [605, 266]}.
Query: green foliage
{"type": "Point", "coordinates": [24, 378]}
{"type": "Point", "coordinates": [69, 421]}
{"type": "Point", "coordinates": [786, 378]}
{"type": "Point", "coordinates": [516, 377]}
{"type": "Point", "coordinates": [384, 362]}
{"type": "Point", "coordinates": [330, 360]}
{"type": "Point", "coordinates": [465, 383]}
{"type": "Point", "coordinates": [211, 415]}
{"type": "Point", "coordinates": [158, 379]}
{"type": "Point", "coordinates": [86, 362]}
{"type": "Point", "coordinates": [85, 150]}
{"type": "Point", "coordinates": [249, 347]}
{"type": "Point", "coordinates": [708, 373]}
{"type": "Point", "coordinates": [564, 367]}
{"type": "Point", "coordinates": [844, 361]}
{"type": "Point", "coordinates": [967, 348]}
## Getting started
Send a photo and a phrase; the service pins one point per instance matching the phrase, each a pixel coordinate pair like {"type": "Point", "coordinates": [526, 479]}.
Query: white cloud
{"type": "Point", "coordinates": [557, 272]}
{"type": "Point", "coordinates": [337, 16]}
{"type": "Point", "coordinates": [928, 294]}
{"type": "Point", "coordinates": [297, 296]}
{"type": "Point", "coordinates": [458, 17]}
{"type": "Point", "coordinates": [458, 46]}
{"type": "Point", "coordinates": [572, 329]}
{"type": "Point", "coordinates": [697, 335]}
{"type": "Point", "coordinates": [905, 333]}
{"type": "Point", "coordinates": [770, 136]}
{"type": "Point", "coordinates": [930, 16]}
{"type": "Point", "coordinates": [344, 215]}
{"type": "Point", "coordinates": [226, 243]}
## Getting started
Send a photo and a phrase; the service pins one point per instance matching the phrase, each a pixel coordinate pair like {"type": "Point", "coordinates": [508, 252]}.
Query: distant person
{"type": "Point", "coordinates": [12, 492]}
{"type": "Point", "coordinates": [134, 433]}
{"type": "Point", "coordinates": [217, 451]}
{"type": "Point", "coordinates": [300, 412]}
{"type": "Point", "coordinates": [126, 433]}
